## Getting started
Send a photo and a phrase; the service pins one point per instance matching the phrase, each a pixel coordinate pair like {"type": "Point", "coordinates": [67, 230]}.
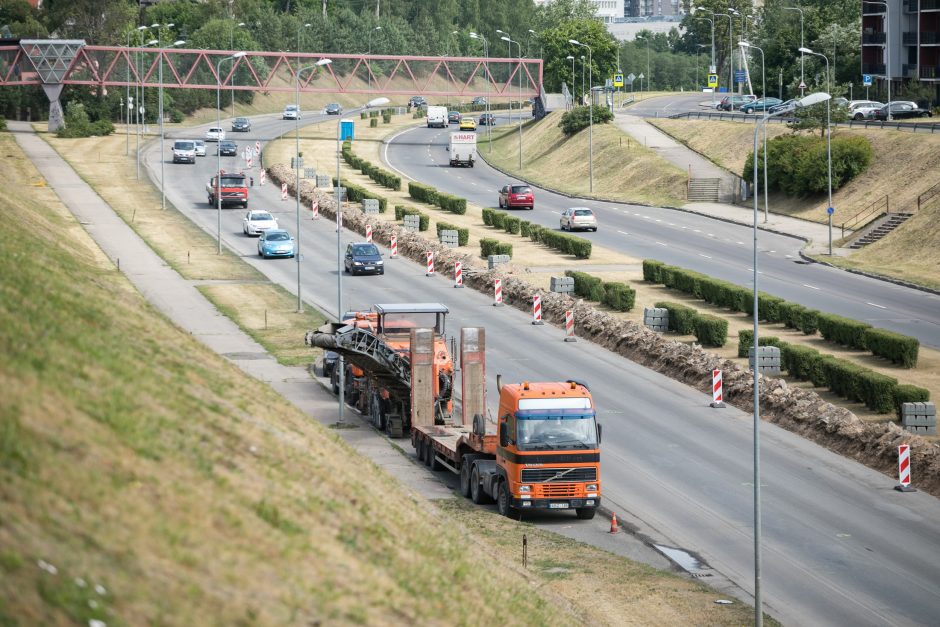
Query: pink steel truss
{"type": "Point", "coordinates": [114, 66]}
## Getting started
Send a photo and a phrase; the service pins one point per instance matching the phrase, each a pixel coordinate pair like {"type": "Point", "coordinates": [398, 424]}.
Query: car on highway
{"type": "Point", "coordinates": [184, 151]}
{"type": "Point", "coordinates": [275, 243]}
{"type": "Point", "coordinates": [257, 221]}
{"type": "Point", "coordinates": [417, 101]}
{"type": "Point", "coordinates": [730, 103]}
{"type": "Point", "coordinates": [241, 125]}
{"type": "Point", "coordinates": [333, 109]}
{"type": "Point", "coordinates": [453, 117]}
{"type": "Point", "coordinates": [479, 101]}
{"type": "Point", "coordinates": [516, 195]}
{"type": "Point", "coordinates": [291, 112]}
{"type": "Point", "coordinates": [578, 219]}
{"type": "Point", "coordinates": [487, 119]}
{"type": "Point", "coordinates": [863, 109]}
{"type": "Point", "coordinates": [215, 134]}
{"type": "Point", "coordinates": [468, 124]}
{"type": "Point", "coordinates": [228, 148]}
{"type": "Point", "coordinates": [363, 258]}
{"type": "Point", "coordinates": [200, 147]}
{"type": "Point", "coordinates": [761, 104]}
{"type": "Point", "coordinates": [901, 110]}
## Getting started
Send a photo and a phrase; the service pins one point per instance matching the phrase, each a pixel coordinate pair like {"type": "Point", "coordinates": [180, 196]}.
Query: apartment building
{"type": "Point", "coordinates": [901, 40]}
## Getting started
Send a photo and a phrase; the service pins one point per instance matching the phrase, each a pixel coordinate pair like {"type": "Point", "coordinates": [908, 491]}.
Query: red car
{"type": "Point", "coordinates": [511, 196]}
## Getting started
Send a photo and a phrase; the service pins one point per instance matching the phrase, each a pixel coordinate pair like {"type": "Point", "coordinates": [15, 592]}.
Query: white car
{"type": "Point", "coordinates": [291, 112]}
{"type": "Point", "coordinates": [257, 222]}
{"type": "Point", "coordinates": [864, 109]}
{"type": "Point", "coordinates": [200, 147]}
{"type": "Point", "coordinates": [184, 151]}
{"type": "Point", "coordinates": [578, 219]}
{"type": "Point", "coordinates": [215, 134]}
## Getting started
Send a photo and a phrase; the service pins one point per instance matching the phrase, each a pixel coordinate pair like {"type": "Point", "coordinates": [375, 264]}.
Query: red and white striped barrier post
{"type": "Point", "coordinates": [368, 232]}
{"type": "Point", "coordinates": [264, 176]}
{"type": "Point", "coordinates": [569, 326]}
{"type": "Point", "coordinates": [904, 469]}
{"type": "Point", "coordinates": [458, 274]}
{"type": "Point", "coordinates": [430, 255]}
{"type": "Point", "coordinates": [258, 148]}
{"type": "Point", "coordinates": [498, 293]}
{"type": "Point", "coordinates": [394, 254]}
{"type": "Point", "coordinates": [283, 191]}
{"type": "Point", "coordinates": [718, 398]}
{"type": "Point", "coordinates": [315, 209]}
{"type": "Point", "coordinates": [537, 310]}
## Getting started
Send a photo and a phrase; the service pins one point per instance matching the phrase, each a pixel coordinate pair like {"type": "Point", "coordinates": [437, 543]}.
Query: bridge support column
{"type": "Point", "coordinates": [56, 117]}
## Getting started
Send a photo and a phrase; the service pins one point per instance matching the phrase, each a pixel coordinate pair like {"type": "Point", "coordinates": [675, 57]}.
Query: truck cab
{"type": "Point", "coordinates": [233, 189]}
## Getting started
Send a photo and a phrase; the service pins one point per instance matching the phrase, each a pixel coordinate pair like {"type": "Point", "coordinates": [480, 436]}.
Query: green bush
{"type": "Point", "coordinates": [746, 341]}
{"type": "Point", "coordinates": [525, 228]}
{"type": "Point", "coordinates": [562, 242]}
{"type": "Point", "coordinates": [363, 115]}
{"type": "Point", "coordinates": [619, 296]}
{"type": "Point", "coordinates": [842, 376]}
{"type": "Point", "coordinates": [651, 270]}
{"type": "Point", "coordinates": [587, 286]}
{"type": "Point", "coordinates": [463, 234]}
{"type": "Point", "coordinates": [877, 391]}
{"type": "Point", "coordinates": [809, 322]}
{"type": "Point", "coordinates": [579, 118]}
{"type": "Point", "coordinates": [900, 349]}
{"type": "Point", "coordinates": [386, 118]}
{"type": "Point", "coordinates": [487, 216]}
{"type": "Point", "coordinates": [791, 314]}
{"type": "Point", "coordinates": [453, 204]}
{"type": "Point", "coordinates": [494, 247]}
{"type": "Point", "coordinates": [842, 330]}
{"type": "Point", "coordinates": [373, 123]}
{"type": "Point", "coordinates": [77, 123]}
{"type": "Point", "coordinates": [356, 193]}
{"type": "Point", "coordinates": [424, 193]}
{"type": "Point", "coordinates": [681, 318]}
{"type": "Point", "coordinates": [497, 219]}
{"type": "Point", "coordinates": [801, 362]}
{"type": "Point", "coordinates": [511, 224]}
{"type": "Point", "coordinates": [374, 113]}
{"type": "Point", "coordinates": [711, 330]}
{"type": "Point", "coordinates": [905, 393]}
{"type": "Point", "coordinates": [768, 307]}
{"type": "Point", "coordinates": [401, 211]}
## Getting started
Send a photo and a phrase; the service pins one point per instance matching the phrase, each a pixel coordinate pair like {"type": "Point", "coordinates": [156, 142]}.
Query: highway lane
{"type": "Point", "coordinates": [717, 248]}
{"type": "Point", "coordinates": [841, 546]}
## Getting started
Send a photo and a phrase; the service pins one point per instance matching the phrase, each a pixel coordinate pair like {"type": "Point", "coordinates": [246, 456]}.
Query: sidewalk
{"type": "Point", "coordinates": [817, 235]}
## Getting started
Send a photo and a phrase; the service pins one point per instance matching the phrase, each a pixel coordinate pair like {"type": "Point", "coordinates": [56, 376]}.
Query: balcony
{"type": "Point", "coordinates": [930, 73]}
{"type": "Point", "coordinates": [909, 39]}
{"type": "Point", "coordinates": [909, 70]}
{"type": "Point", "coordinates": [927, 38]}
{"type": "Point", "coordinates": [870, 8]}
{"type": "Point", "coordinates": [876, 38]}
{"type": "Point", "coordinates": [874, 68]}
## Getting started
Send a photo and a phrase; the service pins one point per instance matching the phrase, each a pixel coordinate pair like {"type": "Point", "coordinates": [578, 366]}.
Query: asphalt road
{"type": "Point", "coordinates": [717, 248]}
{"type": "Point", "coordinates": [840, 545]}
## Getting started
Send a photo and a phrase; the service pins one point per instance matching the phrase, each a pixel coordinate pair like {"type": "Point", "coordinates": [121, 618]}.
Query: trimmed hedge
{"type": "Point", "coordinates": [494, 247]}
{"type": "Point", "coordinates": [586, 285]}
{"type": "Point", "coordinates": [842, 330]}
{"type": "Point", "coordinates": [842, 377]}
{"type": "Point", "coordinates": [498, 219]}
{"type": "Point", "coordinates": [877, 390]}
{"type": "Point", "coordinates": [424, 193]}
{"type": "Point", "coordinates": [900, 349]}
{"type": "Point", "coordinates": [768, 307]}
{"type": "Point", "coordinates": [909, 394]}
{"type": "Point", "coordinates": [373, 122]}
{"type": "Point", "coordinates": [651, 270]}
{"type": "Point", "coordinates": [569, 244]}
{"type": "Point", "coordinates": [463, 235]}
{"type": "Point", "coordinates": [511, 224]}
{"type": "Point", "coordinates": [746, 341]}
{"type": "Point", "coordinates": [799, 361]}
{"type": "Point", "coordinates": [619, 296]}
{"type": "Point", "coordinates": [356, 193]}
{"type": "Point", "coordinates": [453, 204]}
{"type": "Point", "coordinates": [710, 330]}
{"type": "Point", "coordinates": [809, 322]}
{"type": "Point", "coordinates": [525, 228]}
{"type": "Point", "coordinates": [401, 211]}
{"type": "Point", "coordinates": [380, 176]}
{"type": "Point", "coordinates": [681, 318]}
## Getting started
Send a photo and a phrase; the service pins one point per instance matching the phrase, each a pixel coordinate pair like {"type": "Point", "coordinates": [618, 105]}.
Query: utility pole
{"type": "Point", "coordinates": [324, 8]}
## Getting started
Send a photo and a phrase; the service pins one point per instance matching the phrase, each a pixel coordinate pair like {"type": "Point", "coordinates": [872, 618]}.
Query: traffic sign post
{"type": "Point", "coordinates": [618, 80]}
{"type": "Point", "coordinates": [713, 80]}
{"type": "Point", "coordinates": [866, 80]}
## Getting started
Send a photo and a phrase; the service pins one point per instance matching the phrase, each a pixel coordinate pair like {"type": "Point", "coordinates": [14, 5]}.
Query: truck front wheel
{"type": "Point", "coordinates": [477, 495]}
{"type": "Point", "coordinates": [586, 513]}
{"type": "Point", "coordinates": [503, 499]}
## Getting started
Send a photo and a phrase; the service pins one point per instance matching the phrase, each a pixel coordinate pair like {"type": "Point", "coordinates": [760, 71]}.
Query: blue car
{"type": "Point", "coordinates": [364, 258]}
{"type": "Point", "coordinates": [275, 243]}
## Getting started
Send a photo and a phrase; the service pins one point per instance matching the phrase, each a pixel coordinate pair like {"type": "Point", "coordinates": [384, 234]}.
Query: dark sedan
{"type": "Point", "coordinates": [901, 110]}
{"type": "Point", "coordinates": [453, 117]}
{"type": "Point", "coordinates": [241, 125]}
{"type": "Point", "coordinates": [364, 258]}
{"type": "Point", "coordinates": [228, 148]}
{"type": "Point", "coordinates": [333, 109]}
{"type": "Point", "coordinates": [487, 119]}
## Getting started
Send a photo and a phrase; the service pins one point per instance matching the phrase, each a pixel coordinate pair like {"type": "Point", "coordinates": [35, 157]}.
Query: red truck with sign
{"type": "Point", "coordinates": [231, 187]}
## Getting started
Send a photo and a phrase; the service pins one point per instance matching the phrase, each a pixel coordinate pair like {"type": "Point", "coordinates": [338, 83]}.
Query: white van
{"type": "Point", "coordinates": [437, 117]}
{"type": "Point", "coordinates": [184, 151]}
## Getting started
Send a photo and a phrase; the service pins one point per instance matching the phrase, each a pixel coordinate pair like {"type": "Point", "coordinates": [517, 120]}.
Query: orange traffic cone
{"type": "Point", "coordinates": [613, 524]}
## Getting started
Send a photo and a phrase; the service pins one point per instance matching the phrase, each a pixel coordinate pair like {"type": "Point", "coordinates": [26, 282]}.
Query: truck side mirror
{"type": "Point", "coordinates": [503, 434]}
{"type": "Point", "coordinates": [600, 430]}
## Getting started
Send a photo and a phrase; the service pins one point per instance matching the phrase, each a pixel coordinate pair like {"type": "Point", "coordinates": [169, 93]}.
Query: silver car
{"type": "Point", "coordinates": [257, 222]}
{"type": "Point", "coordinates": [578, 219]}
{"type": "Point", "coordinates": [200, 147]}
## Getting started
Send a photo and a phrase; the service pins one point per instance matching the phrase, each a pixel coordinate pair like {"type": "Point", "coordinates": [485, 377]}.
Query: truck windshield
{"type": "Point", "coordinates": [555, 429]}
{"type": "Point", "coordinates": [233, 181]}
{"type": "Point", "coordinates": [393, 323]}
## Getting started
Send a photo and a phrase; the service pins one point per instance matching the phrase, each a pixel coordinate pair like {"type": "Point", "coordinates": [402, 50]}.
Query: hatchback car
{"type": "Point", "coordinates": [333, 109]}
{"type": "Point", "coordinates": [291, 112]}
{"type": "Point", "coordinates": [900, 110]}
{"type": "Point", "coordinates": [479, 101]}
{"type": "Point", "coordinates": [228, 148]}
{"type": "Point", "coordinates": [453, 117]}
{"type": "Point", "coordinates": [468, 124]}
{"type": "Point", "coordinates": [364, 258]}
{"type": "Point", "coordinates": [517, 195]}
{"type": "Point", "coordinates": [417, 101]}
{"type": "Point", "coordinates": [730, 103]}
{"type": "Point", "coordinates": [241, 125]}
{"type": "Point", "coordinates": [257, 222]}
{"type": "Point", "coordinates": [215, 134]}
{"type": "Point", "coordinates": [578, 219]}
{"type": "Point", "coordinates": [864, 109]}
{"type": "Point", "coordinates": [275, 243]}
{"type": "Point", "coordinates": [200, 147]}
{"type": "Point", "coordinates": [761, 104]}
{"type": "Point", "coordinates": [487, 119]}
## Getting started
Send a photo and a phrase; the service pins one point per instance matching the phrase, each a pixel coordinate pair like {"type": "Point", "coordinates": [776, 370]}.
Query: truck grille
{"type": "Point", "coordinates": [539, 475]}
{"type": "Point", "coordinates": [557, 491]}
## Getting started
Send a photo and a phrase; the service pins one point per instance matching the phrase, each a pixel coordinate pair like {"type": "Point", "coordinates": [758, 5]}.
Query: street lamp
{"type": "Point", "coordinates": [575, 42]}
{"type": "Point", "coordinates": [648, 73]}
{"type": "Point", "coordinates": [162, 134]}
{"type": "Point", "coordinates": [528, 42]}
{"type": "Point", "coordinates": [519, 46]}
{"type": "Point", "coordinates": [887, 54]}
{"type": "Point", "coordinates": [712, 22]}
{"type": "Point", "coordinates": [130, 101]}
{"type": "Point", "coordinates": [829, 209]}
{"type": "Point", "coordinates": [802, 74]}
{"type": "Point", "coordinates": [730, 53]}
{"type": "Point", "coordinates": [758, 604]}
{"type": "Point", "coordinates": [571, 58]}
{"type": "Point", "coordinates": [142, 108]}
{"type": "Point", "coordinates": [746, 45]}
{"type": "Point", "coordinates": [218, 153]}
{"type": "Point", "coordinates": [486, 66]}
{"type": "Point", "coordinates": [368, 67]}
{"type": "Point", "coordinates": [239, 25]}
{"type": "Point", "coordinates": [583, 65]}
{"type": "Point", "coordinates": [507, 38]}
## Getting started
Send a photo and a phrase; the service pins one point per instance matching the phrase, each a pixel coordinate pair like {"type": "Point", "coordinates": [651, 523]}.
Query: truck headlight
{"type": "Point", "coordinates": [525, 488]}
{"type": "Point", "coordinates": [589, 502]}
{"type": "Point", "coordinates": [592, 487]}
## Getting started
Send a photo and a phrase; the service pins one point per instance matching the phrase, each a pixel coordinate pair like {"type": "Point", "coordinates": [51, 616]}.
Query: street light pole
{"type": "Point", "coordinates": [712, 22]}
{"type": "Point", "coordinates": [508, 39]}
{"type": "Point", "coordinates": [763, 75]}
{"type": "Point", "coordinates": [162, 134]}
{"type": "Point", "coordinates": [142, 108]}
{"type": "Point", "coordinates": [519, 46]}
{"type": "Point", "coordinates": [486, 69]}
{"type": "Point", "coordinates": [369, 67]}
{"type": "Point", "coordinates": [218, 153]}
{"type": "Point", "coordinates": [575, 42]}
{"type": "Point", "coordinates": [573, 98]}
{"type": "Point", "coordinates": [829, 209]}
{"type": "Point", "coordinates": [239, 25]}
{"type": "Point", "coordinates": [730, 56]}
{"type": "Point", "coordinates": [802, 58]}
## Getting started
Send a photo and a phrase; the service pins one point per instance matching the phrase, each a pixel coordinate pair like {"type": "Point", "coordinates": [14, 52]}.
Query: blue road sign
{"type": "Point", "coordinates": [830, 210]}
{"type": "Point", "coordinates": [866, 80]}
{"type": "Point", "coordinates": [740, 76]}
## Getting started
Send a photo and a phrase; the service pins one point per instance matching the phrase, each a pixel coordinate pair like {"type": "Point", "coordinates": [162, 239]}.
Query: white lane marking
{"type": "Point", "coordinates": [711, 235]}
{"type": "Point", "coordinates": [659, 220]}
{"type": "Point", "coordinates": [660, 243]}
{"type": "Point", "coordinates": [697, 231]}
{"type": "Point", "coordinates": [646, 217]}
{"type": "Point", "coordinates": [876, 305]}
{"type": "Point", "coordinates": [636, 214]}
{"type": "Point", "coordinates": [686, 228]}
{"type": "Point", "coordinates": [623, 232]}
{"type": "Point", "coordinates": [772, 251]}
{"type": "Point", "coordinates": [812, 287]}
{"type": "Point", "coordinates": [752, 270]}
{"type": "Point", "coordinates": [385, 152]}
{"type": "Point", "coordinates": [704, 255]}
{"type": "Point", "coordinates": [671, 224]}
{"type": "Point", "coordinates": [789, 256]}
{"type": "Point", "coordinates": [742, 243]}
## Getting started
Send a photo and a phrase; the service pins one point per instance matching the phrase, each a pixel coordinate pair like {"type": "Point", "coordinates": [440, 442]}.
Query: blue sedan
{"type": "Point", "coordinates": [275, 243]}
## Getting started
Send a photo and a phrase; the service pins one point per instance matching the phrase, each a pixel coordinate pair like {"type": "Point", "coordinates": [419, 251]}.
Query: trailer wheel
{"type": "Point", "coordinates": [433, 463]}
{"type": "Point", "coordinates": [502, 500]}
{"type": "Point", "coordinates": [477, 494]}
{"type": "Point", "coordinates": [585, 513]}
{"type": "Point", "coordinates": [465, 479]}
{"type": "Point", "coordinates": [428, 453]}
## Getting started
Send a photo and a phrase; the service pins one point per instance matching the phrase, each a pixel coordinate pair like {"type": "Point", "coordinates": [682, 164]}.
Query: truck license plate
{"type": "Point", "coordinates": [558, 506]}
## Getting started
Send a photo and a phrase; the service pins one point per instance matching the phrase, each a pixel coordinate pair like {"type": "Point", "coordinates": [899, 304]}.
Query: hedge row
{"type": "Point", "coordinates": [569, 244]}
{"type": "Point", "coordinates": [618, 296]}
{"type": "Point", "coordinates": [708, 330]}
{"type": "Point", "coordinates": [463, 235]}
{"type": "Point", "coordinates": [422, 192]}
{"type": "Point", "coordinates": [900, 349]}
{"type": "Point", "coordinates": [428, 194]}
{"type": "Point", "coordinates": [746, 341]}
{"type": "Point", "coordinates": [401, 211]}
{"type": "Point", "coordinates": [356, 193]}
{"type": "Point", "coordinates": [377, 174]}
{"type": "Point", "coordinates": [494, 247]}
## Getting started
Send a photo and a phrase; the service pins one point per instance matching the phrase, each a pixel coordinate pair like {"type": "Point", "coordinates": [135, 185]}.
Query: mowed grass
{"type": "Point", "coordinates": [623, 169]}
{"type": "Point", "coordinates": [145, 480]}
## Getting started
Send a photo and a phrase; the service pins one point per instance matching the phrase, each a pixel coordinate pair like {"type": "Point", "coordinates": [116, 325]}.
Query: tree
{"type": "Point", "coordinates": [102, 22]}
{"type": "Point", "coordinates": [556, 48]}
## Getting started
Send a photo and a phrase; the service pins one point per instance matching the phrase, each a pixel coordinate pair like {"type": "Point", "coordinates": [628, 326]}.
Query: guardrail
{"type": "Point", "coordinates": [930, 193]}
{"type": "Point", "coordinates": [894, 125]}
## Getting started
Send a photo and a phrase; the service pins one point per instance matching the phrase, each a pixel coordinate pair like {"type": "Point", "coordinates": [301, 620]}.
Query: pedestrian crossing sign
{"type": "Point", "coordinates": [713, 80]}
{"type": "Point", "coordinates": [618, 80]}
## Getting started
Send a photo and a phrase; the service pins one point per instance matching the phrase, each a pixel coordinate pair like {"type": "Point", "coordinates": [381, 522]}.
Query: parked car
{"type": "Point", "coordinates": [228, 148]}
{"type": "Point", "coordinates": [784, 107]}
{"type": "Point", "coordinates": [417, 101]}
{"type": "Point", "coordinates": [291, 112]}
{"type": "Point", "coordinates": [468, 124]}
{"type": "Point", "coordinates": [329, 363]}
{"type": "Point", "coordinates": [487, 119]}
{"type": "Point", "coordinates": [516, 195]}
{"type": "Point", "coordinates": [453, 117]}
{"type": "Point", "coordinates": [362, 258]}
{"type": "Point", "coordinates": [761, 104]}
{"type": "Point", "coordinates": [479, 101]}
{"type": "Point", "coordinates": [241, 125]}
{"type": "Point", "coordinates": [578, 219]}
{"type": "Point", "coordinates": [901, 110]}
{"type": "Point", "coordinates": [200, 147]}
{"type": "Point", "coordinates": [275, 243]}
{"type": "Point", "coordinates": [215, 134]}
{"type": "Point", "coordinates": [184, 151]}
{"type": "Point", "coordinates": [258, 221]}
{"type": "Point", "coordinates": [333, 109]}
{"type": "Point", "coordinates": [840, 102]}
{"type": "Point", "coordinates": [730, 103]}
{"type": "Point", "coordinates": [864, 109]}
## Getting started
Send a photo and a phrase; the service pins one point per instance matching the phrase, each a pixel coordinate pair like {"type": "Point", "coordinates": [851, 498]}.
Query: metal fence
{"type": "Point", "coordinates": [894, 125]}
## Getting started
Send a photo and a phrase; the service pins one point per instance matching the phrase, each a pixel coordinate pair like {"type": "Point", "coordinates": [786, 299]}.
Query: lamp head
{"type": "Point", "coordinates": [574, 42]}
{"type": "Point", "coordinates": [154, 26]}
{"type": "Point", "coordinates": [733, 11]}
{"type": "Point", "coordinates": [504, 38]}
{"type": "Point", "coordinates": [744, 44]}
{"type": "Point", "coordinates": [377, 28]}
{"type": "Point", "coordinates": [377, 102]}
{"type": "Point", "coordinates": [531, 31]}
{"type": "Point", "coordinates": [814, 98]}
{"type": "Point", "coordinates": [324, 62]}
{"type": "Point", "coordinates": [238, 55]}
{"type": "Point", "coordinates": [570, 58]}
{"type": "Point", "coordinates": [804, 50]}
{"type": "Point", "coordinates": [179, 42]}
{"type": "Point", "coordinates": [152, 42]}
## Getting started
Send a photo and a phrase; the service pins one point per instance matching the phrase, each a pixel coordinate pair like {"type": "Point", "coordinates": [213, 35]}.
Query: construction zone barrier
{"type": "Point", "coordinates": [498, 293]}
{"type": "Point", "coordinates": [717, 391]}
{"type": "Point", "coordinates": [394, 245]}
{"type": "Point", "coordinates": [430, 255]}
{"type": "Point", "coordinates": [283, 191]}
{"type": "Point", "coordinates": [264, 177]}
{"type": "Point", "coordinates": [315, 209]}
{"type": "Point", "coordinates": [369, 234]}
{"type": "Point", "coordinates": [537, 310]}
{"type": "Point", "coordinates": [458, 274]}
{"type": "Point", "coordinates": [613, 523]}
{"type": "Point", "coordinates": [904, 469]}
{"type": "Point", "coordinates": [569, 327]}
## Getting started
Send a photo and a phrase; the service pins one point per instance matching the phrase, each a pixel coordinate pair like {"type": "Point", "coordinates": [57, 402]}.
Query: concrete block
{"type": "Point", "coordinates": [495, 260]}
{"type": "Point", "coordinates": [370, 205]}
{"type": "Point", "coordinates": [562, 284]}
{"type": "Point", "coordinates": [768, 359]}
{"type": "Point", "coordinates": [450, 238]}
{"type": "Point", "coordinates": [412, 223]}
{"type": "Point", "coordinates": [919, 430]}
{"type": "Point", "coordinates": [324, 181]}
